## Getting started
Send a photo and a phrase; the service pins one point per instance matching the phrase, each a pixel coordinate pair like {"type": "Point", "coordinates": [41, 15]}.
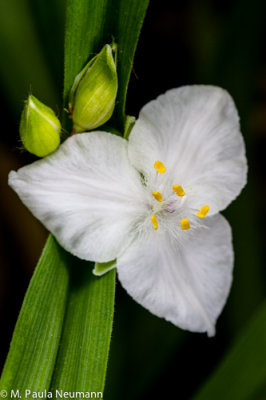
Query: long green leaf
{"type": "Point", "coordinates": [85, 21]}
{"type": "Point", "coordinates": [82, 359]}
{"type": "Point", "coordinates": [34, 346]}
{"type": "Point", "coordinates": [242, 373]}
{"type": "Point", "coordinates": [126, 29]}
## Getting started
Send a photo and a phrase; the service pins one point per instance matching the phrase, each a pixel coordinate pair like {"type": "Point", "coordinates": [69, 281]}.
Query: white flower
{"type": "Point", "coordinates": [151, 202]}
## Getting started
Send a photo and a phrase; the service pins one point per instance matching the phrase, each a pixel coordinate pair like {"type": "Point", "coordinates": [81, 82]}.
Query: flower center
{"type": "Point", "coordinates": [171, 204]}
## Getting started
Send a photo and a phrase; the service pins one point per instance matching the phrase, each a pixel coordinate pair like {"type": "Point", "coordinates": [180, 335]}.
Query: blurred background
{"type": "Point", "coordinates": [198, 41]}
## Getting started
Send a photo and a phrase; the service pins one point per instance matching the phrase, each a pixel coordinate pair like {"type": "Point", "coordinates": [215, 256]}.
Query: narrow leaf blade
{"type": "Point", "coordinates": [82, 358]}
{"type": "Point", "coordinates": [33, 350]}
{"type": "Point", "coordinates": [126, 31]}
{"type": "Point", "coordinates": [84, 36]}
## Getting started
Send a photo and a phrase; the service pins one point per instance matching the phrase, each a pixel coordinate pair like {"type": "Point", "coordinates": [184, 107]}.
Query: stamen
{"type": "Point", "coordinates": [154, 221]}
{"type": "Point", "coordinates": [160, 167]}
{"type": "Point", "coordinates": [157, 196]}
{"type": "Point", "coordinates": [178, 190]}
{"type": "Point", "coordinates": [185, 224]}
{"type": "Point", "coordinates": [203, 212]}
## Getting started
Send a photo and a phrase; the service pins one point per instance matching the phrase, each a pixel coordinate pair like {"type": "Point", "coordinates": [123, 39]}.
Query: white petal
{"type": "Point", "coordinates": [86, 193]}
{"type": "Point", "coordinates": [187, 285]}
{"type": "Point", "coordinates": [194, 131]}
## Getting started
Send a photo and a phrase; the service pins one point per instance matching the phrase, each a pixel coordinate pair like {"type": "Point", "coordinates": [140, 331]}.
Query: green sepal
{"type": "Point", "coordinates": [102, 268]}
{"type": "Point", "coordinates": [129, 124]}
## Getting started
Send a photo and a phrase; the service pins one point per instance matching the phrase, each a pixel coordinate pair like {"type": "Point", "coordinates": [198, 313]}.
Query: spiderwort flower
{"type": "Point", "coordinates": [151, 202]}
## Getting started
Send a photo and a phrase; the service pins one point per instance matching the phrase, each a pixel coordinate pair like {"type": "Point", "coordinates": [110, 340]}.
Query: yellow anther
{"type": "Point", "coordinates": [154, 221]}
{"type": "Point", "coordinates": [178, 190]}
{"type": "Point", "coordinates": [203, 212]}
{"type": "Point", "coordinates": [160, 167]}
{"type": "Point", "coordinates": [157, 196]}
{"type": "Point", "coordinates": [185, 224]}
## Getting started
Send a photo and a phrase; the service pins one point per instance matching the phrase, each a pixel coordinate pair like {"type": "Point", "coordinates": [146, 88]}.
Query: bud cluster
{"type": "Point", "coordinates": [91, 104]}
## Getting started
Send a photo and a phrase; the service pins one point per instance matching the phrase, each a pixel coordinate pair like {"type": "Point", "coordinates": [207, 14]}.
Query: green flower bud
{"type": "Point", "coordinates": [92, 97]}
{"type": "Point", "coordinates": [39, 128]}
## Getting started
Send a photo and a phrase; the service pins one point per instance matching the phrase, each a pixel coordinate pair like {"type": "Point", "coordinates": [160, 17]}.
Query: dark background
{"type": "Point", "coordinates": [220, 43]}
